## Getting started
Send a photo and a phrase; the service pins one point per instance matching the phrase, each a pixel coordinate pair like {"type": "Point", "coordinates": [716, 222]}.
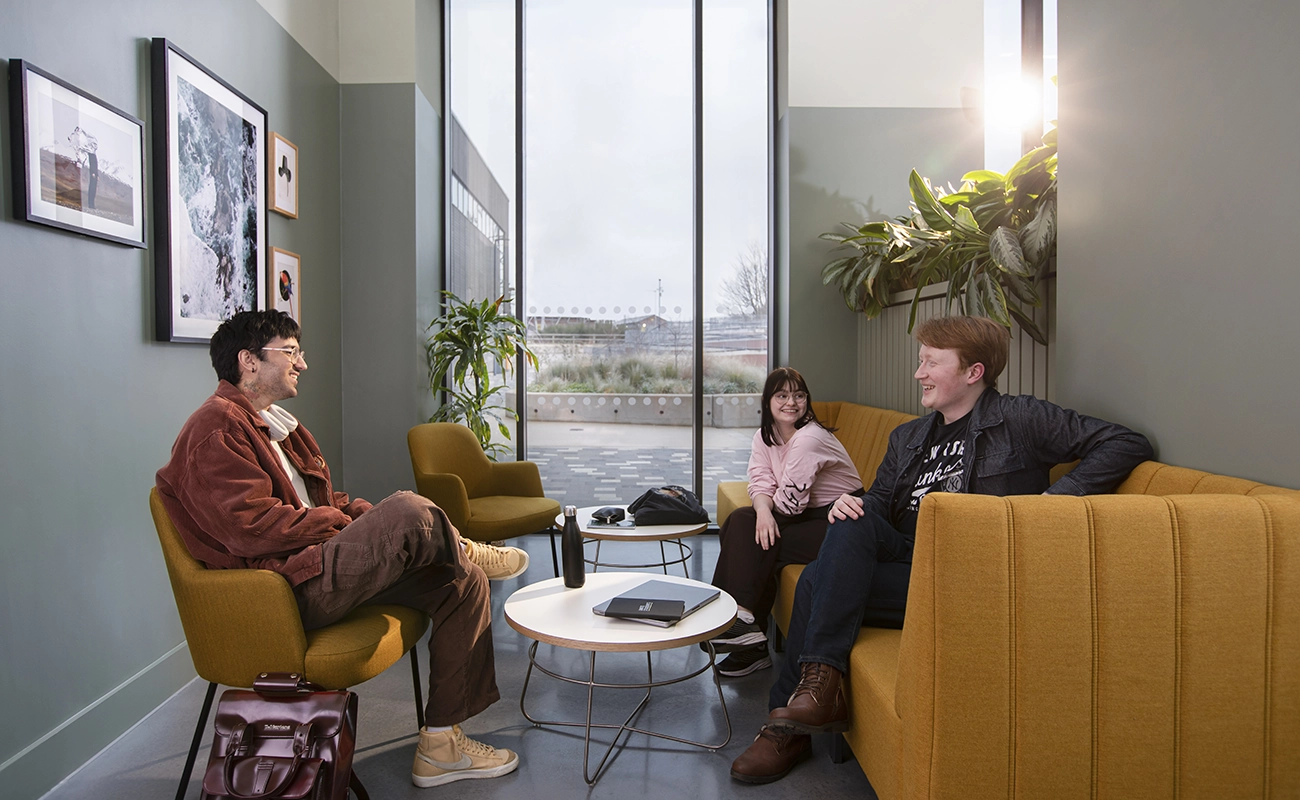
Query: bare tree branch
{"type": "Point", "coordinates": [745, 292]}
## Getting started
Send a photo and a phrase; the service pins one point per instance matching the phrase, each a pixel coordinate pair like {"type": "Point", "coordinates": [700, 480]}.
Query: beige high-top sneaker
{"type": "Point", "coordinates": [449, 756]}
{"type": "Point", "coordinates": [499, 563]}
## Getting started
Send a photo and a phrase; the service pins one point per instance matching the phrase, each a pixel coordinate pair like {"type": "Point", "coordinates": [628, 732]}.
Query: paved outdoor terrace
{"type": "Point", "coordinates": [586, 464]}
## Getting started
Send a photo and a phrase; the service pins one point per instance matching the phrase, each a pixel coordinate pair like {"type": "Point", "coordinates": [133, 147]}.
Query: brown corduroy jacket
{"type": "Point", "coordinates": [231, 500]}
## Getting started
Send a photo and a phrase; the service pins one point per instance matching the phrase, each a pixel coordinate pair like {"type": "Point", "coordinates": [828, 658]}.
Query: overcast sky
{"type": "Point", "coordinates": [608, 159]}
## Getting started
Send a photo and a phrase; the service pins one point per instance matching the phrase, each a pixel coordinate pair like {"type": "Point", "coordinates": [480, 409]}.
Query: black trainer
{"type": "Point", "coordinates": [743, 662]}
{"type": "Point", "coordinates": [739, 636]}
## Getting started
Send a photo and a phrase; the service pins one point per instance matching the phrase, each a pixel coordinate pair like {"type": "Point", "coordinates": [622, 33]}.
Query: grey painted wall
{"type": "Point", "coordinates": [1178, 277]}
{"type": "Point", "coordinates": [848, 165]}
{"type": "Point", "coordinates": [392, 264]}
{"type": "Point", "coordinates": [90, 405]}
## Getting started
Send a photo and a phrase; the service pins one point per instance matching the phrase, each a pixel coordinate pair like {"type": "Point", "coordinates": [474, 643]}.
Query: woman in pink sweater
{"type": "Point", "coordinates": [797, 469]}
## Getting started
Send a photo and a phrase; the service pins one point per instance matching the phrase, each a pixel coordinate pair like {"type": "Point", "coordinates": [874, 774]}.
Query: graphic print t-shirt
{"type": "Point", "coordinates": [942, 464]}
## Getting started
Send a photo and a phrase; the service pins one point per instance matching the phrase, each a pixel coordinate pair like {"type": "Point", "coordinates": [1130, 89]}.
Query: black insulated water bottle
{"type": "Point", "coordinates": [575, 571]}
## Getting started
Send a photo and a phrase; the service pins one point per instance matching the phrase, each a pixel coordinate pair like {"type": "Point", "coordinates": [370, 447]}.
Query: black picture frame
{"type": "Point", "coordinates": [78, 162]}
{"type": "Point", "coordinates": [209, 172]}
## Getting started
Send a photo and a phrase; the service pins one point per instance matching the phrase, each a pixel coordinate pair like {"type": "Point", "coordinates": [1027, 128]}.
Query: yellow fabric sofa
{"type": "Point", "coordinates": [1144, 644]}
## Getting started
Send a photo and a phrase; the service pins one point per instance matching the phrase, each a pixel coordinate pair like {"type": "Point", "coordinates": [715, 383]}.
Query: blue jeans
{"type": "Point", "coordinates": [860, 578]}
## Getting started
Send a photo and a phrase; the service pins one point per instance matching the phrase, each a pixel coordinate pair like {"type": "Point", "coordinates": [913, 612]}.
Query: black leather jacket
{"type": "Point", "coordinates": [1016, 441]}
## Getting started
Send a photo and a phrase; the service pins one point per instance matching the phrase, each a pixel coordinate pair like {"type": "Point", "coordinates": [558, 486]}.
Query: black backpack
{"type": "Point", "coordinates": [668, 505]}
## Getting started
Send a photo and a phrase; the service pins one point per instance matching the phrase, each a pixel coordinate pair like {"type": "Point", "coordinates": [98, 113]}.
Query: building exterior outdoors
{"type": "Point", "coordinates": [479, 258]}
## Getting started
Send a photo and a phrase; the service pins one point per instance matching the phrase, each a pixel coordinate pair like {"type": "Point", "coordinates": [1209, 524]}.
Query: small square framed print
{"type": "Point", "coordinates": [283, 169]}
{"type": "Point", "coordinates": [285, 283]}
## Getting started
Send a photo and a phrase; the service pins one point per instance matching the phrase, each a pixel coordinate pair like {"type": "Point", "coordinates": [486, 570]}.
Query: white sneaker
{"type": "Point", "coordinates": [448, 756]}
{"type": "Point", "coordinates": [499, 563]}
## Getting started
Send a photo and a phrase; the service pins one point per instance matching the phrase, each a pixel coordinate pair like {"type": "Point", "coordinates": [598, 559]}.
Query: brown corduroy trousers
{"type": "Point", "coordinates": [404, 551]}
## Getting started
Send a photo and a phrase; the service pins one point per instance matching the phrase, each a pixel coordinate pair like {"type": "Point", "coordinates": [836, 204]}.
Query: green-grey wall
{"type": "Point", "coordinates": [1178, 278]}
{"type": "Point", "coordinates": [391, 216]}
{"type": "Point", "coordinates": [90, 404]}
{"type": "Point", "coordinates": [848, 165]}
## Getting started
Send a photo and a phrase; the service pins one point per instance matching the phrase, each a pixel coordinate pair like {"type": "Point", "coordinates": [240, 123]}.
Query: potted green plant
{"type": "Point", "coordinates": [468, 338]}
{"type": "Point", "coordinates": [992, 240]}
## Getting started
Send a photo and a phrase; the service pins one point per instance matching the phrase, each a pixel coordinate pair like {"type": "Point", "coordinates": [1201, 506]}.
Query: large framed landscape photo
{"type": "Point", "coordinates": [210, 198]}
{"type": "Point", "coordinates": [78, 162]}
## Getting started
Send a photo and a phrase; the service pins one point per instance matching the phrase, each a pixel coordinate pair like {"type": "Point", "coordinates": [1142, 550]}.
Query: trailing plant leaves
{"type": "Point", "coordinates": [1028, 326]}
{"type": "Point", "coordinates": [1038, 237]}
{"type": "Point", "coordinates": [964, 221]}
{"type": "Point", "coordinates": [934, 214]}
{"type": "Point", "coordinates": [989, 241]}
{"type": "Point", "coordinates": [1005, 250]}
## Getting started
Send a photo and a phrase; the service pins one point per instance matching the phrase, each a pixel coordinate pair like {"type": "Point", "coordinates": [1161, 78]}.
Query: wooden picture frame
{"type": "Point", "coordinates": [282, 166]}
{"type": "Point", "coordinates": [78, 162]}
{"type": "Point", "coordinates": [284, 283]}
{"type": "Point", "coordinates": [209, 176]}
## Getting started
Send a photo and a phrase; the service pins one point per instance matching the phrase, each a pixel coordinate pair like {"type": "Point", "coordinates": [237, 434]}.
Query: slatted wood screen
{"type": "Point", "coordinates": [887, 353]}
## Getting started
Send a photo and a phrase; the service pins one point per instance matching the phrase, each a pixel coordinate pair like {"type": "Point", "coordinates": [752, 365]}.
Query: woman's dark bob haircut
{"type": "Point", "coordinates": [789, 379]}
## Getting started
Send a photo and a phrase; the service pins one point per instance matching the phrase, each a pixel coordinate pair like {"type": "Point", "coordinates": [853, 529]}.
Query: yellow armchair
{"type": "Point", "coordinates": [241, 622]}
{"type": "Point", "coordinates": [486, 501]}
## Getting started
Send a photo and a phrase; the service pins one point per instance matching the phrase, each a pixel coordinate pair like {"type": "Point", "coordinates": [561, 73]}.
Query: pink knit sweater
{"type": "Point", "coordinates": [810, 470]}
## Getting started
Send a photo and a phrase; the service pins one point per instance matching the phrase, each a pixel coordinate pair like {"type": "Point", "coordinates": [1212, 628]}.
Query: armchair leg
{"type": "Point", "coordinates": [555, 558]}
{"type": "Point", "coordinates": [198, 738]}
{"type": "Point", "coordinates": [415, 680]}
{"type": "Point", "coordinates": [840, 751]}
{"type": "Point", "coordinates": [777, 638]}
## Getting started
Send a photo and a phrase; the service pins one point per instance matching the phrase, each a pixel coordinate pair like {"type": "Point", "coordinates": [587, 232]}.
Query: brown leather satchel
{"type": "Point", "coordinates": [287, 738]}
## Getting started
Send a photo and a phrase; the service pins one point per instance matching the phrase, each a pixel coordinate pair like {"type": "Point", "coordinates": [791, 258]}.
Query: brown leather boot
{"type": "Point", "coordinates": [817, 705]}
{"type": "Point", "coordinates": [775, 751]}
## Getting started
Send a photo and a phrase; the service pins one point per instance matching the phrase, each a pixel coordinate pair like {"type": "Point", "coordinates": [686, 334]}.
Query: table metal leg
{"type": "Point", "coordinates": [626, 726]}
{"type": "Point", "coordinates": [684, 553]}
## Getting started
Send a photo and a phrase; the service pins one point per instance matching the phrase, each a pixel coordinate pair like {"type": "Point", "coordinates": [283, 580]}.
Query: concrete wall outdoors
{"type": "Point", "coordinates": [1178, 279]}
{"type": "Point", "coordinates": [865, 108]}
{"type": "Point", "coordinates": [89, 637]}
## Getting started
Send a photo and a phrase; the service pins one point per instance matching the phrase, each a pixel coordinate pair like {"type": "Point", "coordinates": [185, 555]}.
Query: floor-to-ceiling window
{"type": "Point", "coordinates": [646, 307]}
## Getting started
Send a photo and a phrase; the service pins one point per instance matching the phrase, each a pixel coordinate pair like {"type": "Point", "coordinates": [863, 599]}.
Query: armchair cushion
{"type": "Point", "coordinates": [363, 644]}
{"type": "Point", "coordinates": [500, 517]}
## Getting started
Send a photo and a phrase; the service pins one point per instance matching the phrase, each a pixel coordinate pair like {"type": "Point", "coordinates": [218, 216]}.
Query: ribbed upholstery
{"type": "Point", "coordinates": [863, 430]}
{"type": "Point", "coordinates": [486, 501]}
{"type": "Point", "coordinates": [1138, 645]}
{"type": "Point", "coordinates": [239, 622]}
{"type": "Point", "coordinates": [1153, 477]}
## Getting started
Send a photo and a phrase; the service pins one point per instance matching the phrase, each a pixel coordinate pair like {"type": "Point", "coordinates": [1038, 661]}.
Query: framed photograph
{"type": "Point", "coordinates": [284, 175]}
{"type": "Point", "coordinates": [210, 195]}
{"type": "Point", "coordinates": [78, 163]}
{"type": "Point", "coordinates": [285, 283]}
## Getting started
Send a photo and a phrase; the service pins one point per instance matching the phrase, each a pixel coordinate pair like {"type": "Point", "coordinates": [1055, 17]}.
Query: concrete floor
{"type": "Point", "coordinates": [146, 762]}
{"type": "Point", "coordinates": [601, 463]}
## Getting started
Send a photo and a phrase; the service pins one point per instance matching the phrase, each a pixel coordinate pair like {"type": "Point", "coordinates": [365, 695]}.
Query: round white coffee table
{"type": "Point", "coordinates": [549, 612]}
{"type": "Point", "coordinates": [641, 533]}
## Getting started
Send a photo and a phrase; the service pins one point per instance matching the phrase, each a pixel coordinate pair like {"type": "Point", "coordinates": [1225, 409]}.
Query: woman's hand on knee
{"type": "Point", "coordinates": [846, 507]}
{"type": "Point", "coordinates": [765, 532]}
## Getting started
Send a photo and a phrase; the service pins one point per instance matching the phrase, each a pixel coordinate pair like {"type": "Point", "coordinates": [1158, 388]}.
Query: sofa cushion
{"type": "Point", "coordinates": [731, 496]}
{"type": "Point", "coordinates": [864, 432]}
{"type": "Point", "coordinates": [1154, 478]}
